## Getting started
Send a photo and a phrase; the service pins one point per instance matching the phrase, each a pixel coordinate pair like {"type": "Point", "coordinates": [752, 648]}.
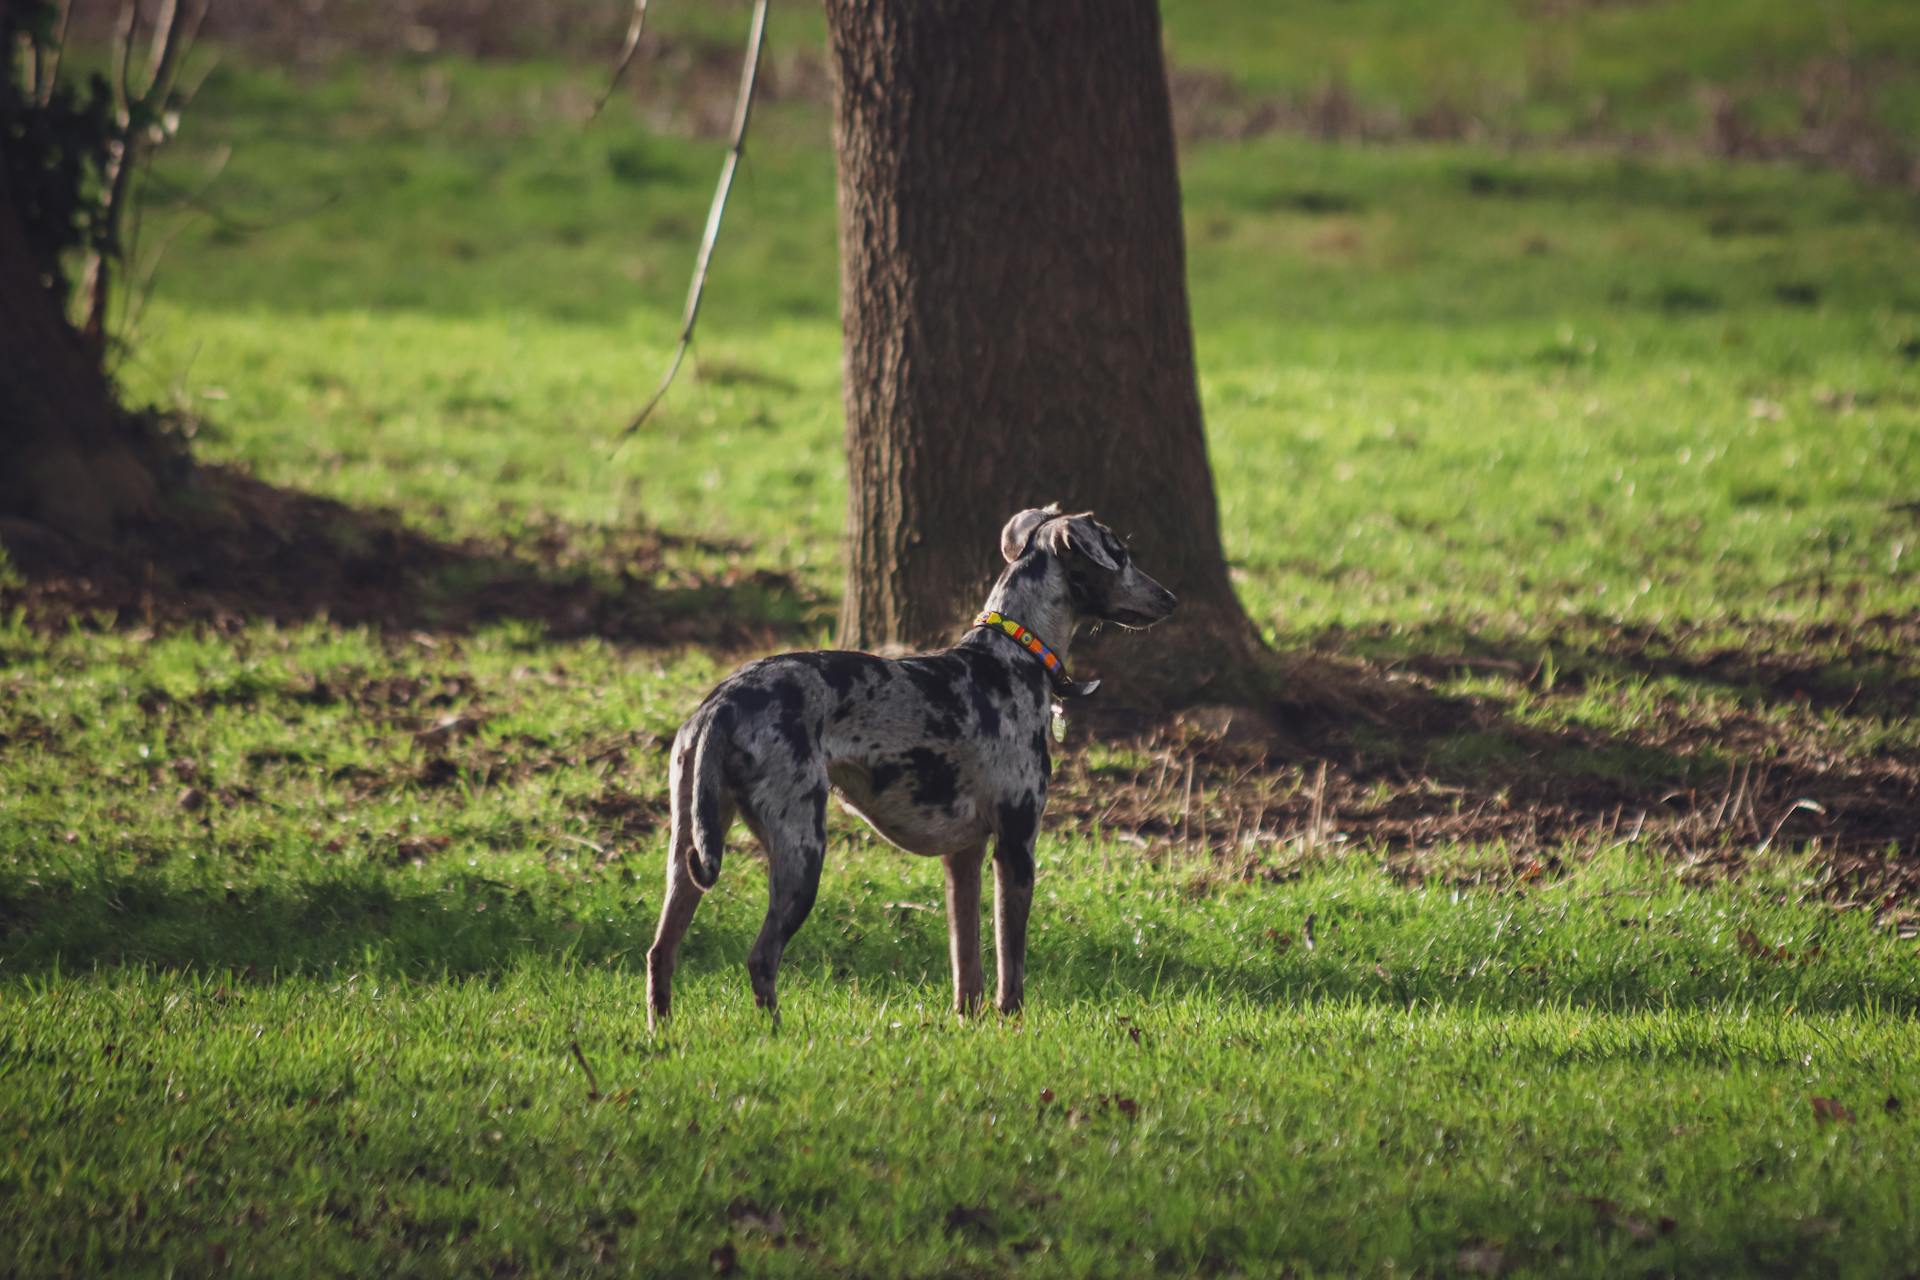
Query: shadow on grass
{"type": "Point", "coordinates": [1748, 742]}
{"type": "Point", "coordinates": [1750, 760]}
{"type": "Point", "coordinates": [464, 929]}
{"type": "Point", "coordinates": [1863, 667]}
{"type": "Point", "coordinates": [234, 548]}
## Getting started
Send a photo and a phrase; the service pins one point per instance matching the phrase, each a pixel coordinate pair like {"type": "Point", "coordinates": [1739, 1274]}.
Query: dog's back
{"type": "Point", "coordinates": [923, 748]}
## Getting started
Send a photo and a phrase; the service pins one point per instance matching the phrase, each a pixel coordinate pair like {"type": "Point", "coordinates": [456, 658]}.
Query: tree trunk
{"type": "Point", "coordinates": [1013, 296]}
{"type": "Point", "coordinates": [66, 457]}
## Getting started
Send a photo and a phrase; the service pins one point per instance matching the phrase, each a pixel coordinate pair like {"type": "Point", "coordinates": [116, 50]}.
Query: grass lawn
{"type": "Point", "coordinates": [1555, 919]}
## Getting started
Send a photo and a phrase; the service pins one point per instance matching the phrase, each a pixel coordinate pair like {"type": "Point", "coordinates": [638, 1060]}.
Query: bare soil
{"type": "Point", "coordinates": [1370, 753]}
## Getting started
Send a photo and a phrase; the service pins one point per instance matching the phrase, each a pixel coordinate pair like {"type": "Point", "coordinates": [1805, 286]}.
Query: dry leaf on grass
{"type": "Point", "coordinates": [1831, 1111]}
{"type": "Point", "coordinates": [446, 730]}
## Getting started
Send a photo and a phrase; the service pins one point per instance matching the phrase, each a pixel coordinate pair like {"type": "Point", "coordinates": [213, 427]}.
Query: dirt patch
{"type": "Point", "coordinates": [1213, 106]}
{"type": "Point", "coordinates": [1371, 754]}
{"type": "Point", "coordinates": [1838, 127]}
{"type": "Point", "coordinates": [235, 548]}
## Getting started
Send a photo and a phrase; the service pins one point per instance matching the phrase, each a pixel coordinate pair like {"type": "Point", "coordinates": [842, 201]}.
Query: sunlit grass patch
{"type": "Point", "coordinates": [1549, 918]}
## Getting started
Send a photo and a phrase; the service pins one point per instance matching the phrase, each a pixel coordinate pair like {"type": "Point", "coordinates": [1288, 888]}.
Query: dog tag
{"type": "Point", "coordinates": [1059, 722]}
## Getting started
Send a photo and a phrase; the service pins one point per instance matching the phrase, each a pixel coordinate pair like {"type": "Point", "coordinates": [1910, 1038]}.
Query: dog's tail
{"type": "Point", "coordinates": [700, 800]}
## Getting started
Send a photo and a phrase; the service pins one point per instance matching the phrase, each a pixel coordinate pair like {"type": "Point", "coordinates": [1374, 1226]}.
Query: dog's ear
{"type": "Point", "coordinates": [1079, 533]}
{"type": "Point", "coordinates": [1019, 530]}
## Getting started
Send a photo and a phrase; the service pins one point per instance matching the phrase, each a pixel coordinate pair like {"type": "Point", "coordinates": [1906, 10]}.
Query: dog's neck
{"type": "Point", "coordinates": [1033, 592]}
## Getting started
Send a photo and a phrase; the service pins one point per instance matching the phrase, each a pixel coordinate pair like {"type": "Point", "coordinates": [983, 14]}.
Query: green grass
{"type": "Point", "coordinates": [1557, 68]}
{"type": "Point", "coordinates": [1593, 1075]}
{"type": "Point", "coordinates": [1612, 450]}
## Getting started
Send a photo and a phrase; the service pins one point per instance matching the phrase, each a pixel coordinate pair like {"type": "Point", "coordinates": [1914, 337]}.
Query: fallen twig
{"type": "Point", "coordinates": [593, 1082]}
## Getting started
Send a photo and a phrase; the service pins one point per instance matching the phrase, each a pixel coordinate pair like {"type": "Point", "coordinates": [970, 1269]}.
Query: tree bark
{"type": "Point", "coordinates": [66, 457]}
{"type": "Point", "coordinates": [1013, 297]}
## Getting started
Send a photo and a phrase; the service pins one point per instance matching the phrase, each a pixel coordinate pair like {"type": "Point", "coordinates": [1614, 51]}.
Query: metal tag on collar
{"type": "Point", "coordinates": [1074, 688]}
{"type": "Point", "coordinates": [1059, 721]}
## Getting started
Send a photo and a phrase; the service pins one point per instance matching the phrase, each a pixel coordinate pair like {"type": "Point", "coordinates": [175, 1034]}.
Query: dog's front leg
{"type": "Point", "coordinates": [1012, 899]}
{"type": "Point", "coordinates": [963, 928]}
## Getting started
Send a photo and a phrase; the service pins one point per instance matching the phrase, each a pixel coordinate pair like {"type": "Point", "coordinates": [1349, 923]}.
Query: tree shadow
{"type": "Point", "coordinates": [1382, 753]}
{"type": "Point", "coordinates": [233, 548]}
{"type": "Point", "coordinates": [475, 928]}
{"type": "Point", "coordinates": [1865, 667]}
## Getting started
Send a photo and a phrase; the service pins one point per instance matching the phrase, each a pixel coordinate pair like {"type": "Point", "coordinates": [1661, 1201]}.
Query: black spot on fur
{"type": "Point", "coordinates": [985, 714]}
{"type": "Point", "coordinates": [884, 775]}
{"type": "Point", "coordinates": [707, 806]}
{"type": "Point", "coordinates": [988, 689]}
{"type": "Point", "coordinates": [942, 729]}
{"type": "Point", "coordinates": [794, 912]}
{"type": "Point", "coordinates": [1004, 669]}
{"type": "Point", "coordinates": [1029, 568]}
{"type": "Point", "coordinates": [986, 671]}
{"type": "Point", "coordinates": [749, 698]}
{"type": "Point", "coordinates": [938, 682]}
{"type": "Point", "coordinates": [842, 669]}
{"type": "Point", "coordinates": [1040, 749]}
{"type": "Point", "coordinates": [1082, 591]}
{"type": "Point", "coordinates": [790, 722]}
{"type": "Point", "coordinates": [936, 783]}
{"type": "Point", "coordinates": [787, 703]}
{"type": "Point", "coordinates": [1019, 823]}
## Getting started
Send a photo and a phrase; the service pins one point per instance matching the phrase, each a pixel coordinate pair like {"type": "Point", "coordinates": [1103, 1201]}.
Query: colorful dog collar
{"type": "Point", "coordinates": [1056, 669]}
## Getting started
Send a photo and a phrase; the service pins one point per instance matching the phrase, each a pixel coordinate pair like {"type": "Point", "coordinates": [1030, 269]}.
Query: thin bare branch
{"type": "Point", "coordinates": [627, 51]}
{"type": "Point", "coordinates": [141, 286]}
{"type": "Point", "coordinates": [46, 75]}
{"type": "Point", "coordinates": [173, 36]}
{"type": "Point", "coordinates": [162, 48]}
{"type": "Point", "coordinates": [208, 65]}
{"type": "Point", "coordinates": [124, 29]}
{"type": "Point", "coordinates": [96, 280]}
{"type": "Point", "coordinates": [742, 111]}
{"type": "Point", "coordinates": [175, 28]}
{"type": "Point", "coordinates": [224, 223]}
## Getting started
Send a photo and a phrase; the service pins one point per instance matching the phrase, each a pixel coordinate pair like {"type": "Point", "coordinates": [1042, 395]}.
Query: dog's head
{"type": "Point", "coordinates": [1102, 580]}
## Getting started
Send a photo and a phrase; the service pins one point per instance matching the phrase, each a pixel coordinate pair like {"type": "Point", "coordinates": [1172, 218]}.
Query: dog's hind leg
{"type": "Point", "coordinates": [683, 898]}
{"type": "Point", "coordinates": [793, 830]}
{"type": "Point", "coordinates": [963, 928]}
{"type": "Point", "coordinates": [683, 895]}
